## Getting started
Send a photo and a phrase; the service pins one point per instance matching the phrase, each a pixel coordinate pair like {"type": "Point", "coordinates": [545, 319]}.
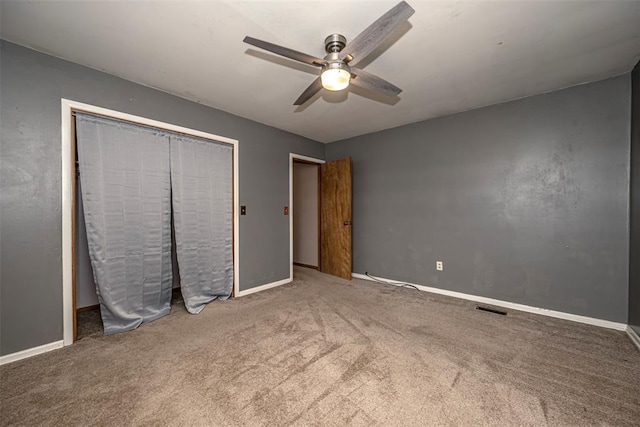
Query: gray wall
{"type": "Point", "coordinates": [634, 250]}
{"type": "Point", "coordinates": [31, 85]}
{"type": "Point", "coordinates": [525, 201]}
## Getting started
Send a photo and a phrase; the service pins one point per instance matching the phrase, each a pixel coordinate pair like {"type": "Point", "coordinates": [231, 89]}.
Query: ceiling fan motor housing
{"type": "Point", "coordinates": [335, 43]}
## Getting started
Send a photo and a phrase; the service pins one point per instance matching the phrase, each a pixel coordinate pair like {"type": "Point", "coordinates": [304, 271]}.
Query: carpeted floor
{"type": "Point", "coordinates": [324, 351]}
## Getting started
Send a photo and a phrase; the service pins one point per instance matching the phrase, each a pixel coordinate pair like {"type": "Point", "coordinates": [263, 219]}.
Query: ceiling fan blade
{"type": "Point", "coordinates": [372, 82]}
{"type": "Point", "coordinates": [284, 51]}
{"type": "Point", "coordinates": [376, 33]}
{"type": "Point", "coordinates": [309, 92]}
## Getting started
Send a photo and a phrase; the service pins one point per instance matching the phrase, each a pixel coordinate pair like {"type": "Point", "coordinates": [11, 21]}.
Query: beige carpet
{"type": "Point", "coordinates": [323, 351]}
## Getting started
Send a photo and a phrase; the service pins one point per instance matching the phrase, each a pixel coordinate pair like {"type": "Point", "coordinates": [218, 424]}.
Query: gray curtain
{"type": "Point", "coordinates": [126, 193]}
{"type": "Point", "coordinates": [201, 175]}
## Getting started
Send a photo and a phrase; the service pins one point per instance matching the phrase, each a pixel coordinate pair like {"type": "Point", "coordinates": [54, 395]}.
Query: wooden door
{"type": "Point", "coordinates": [335, 190]}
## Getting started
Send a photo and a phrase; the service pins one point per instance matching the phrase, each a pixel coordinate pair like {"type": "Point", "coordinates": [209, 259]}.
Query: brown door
{"type": "Point", "coordinates": [335, 189]}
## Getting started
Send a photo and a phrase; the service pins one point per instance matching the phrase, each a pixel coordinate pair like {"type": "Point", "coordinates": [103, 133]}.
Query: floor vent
{"type": "Point", "coordinates": [491, 310]}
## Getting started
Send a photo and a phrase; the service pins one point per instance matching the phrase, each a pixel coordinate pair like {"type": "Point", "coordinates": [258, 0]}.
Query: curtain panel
{"type": "Point", "coordinates": [202, 186]}
{"type": "Point", "coordinates": [126, 193]}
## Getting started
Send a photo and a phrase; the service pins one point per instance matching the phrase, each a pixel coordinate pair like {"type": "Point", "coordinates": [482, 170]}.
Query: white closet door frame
{"type": "Point", "coordinates": [68, 177]}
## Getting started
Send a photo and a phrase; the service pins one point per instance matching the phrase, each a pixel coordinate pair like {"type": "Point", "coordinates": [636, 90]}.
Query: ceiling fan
{"type": "Point", "coordinates": [338, 67]}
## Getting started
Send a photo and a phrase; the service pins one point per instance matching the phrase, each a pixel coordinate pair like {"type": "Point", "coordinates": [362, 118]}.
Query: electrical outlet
{"type": "Point", "coordinates": [439, 265]}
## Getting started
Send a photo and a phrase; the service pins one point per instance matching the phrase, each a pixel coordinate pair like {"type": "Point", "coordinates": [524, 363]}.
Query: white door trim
{"type": "Point", "coordinates": [68, 176]}
{"type": "Point", "coordinates": [293, 156]}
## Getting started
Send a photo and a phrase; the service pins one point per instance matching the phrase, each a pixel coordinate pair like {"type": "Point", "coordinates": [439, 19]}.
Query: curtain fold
{"type": "Point", "coordinates": [126, 192]}
{"type": "Point", "coordinates": [202, 186]}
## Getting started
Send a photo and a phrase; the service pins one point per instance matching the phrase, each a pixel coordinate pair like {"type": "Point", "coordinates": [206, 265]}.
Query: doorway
{"type": "Point", "coordinates": [330, 219]}
{"type": "Point", "coordinates": [304, 245]}
{"type": "Point", "coordinates": [306, 214]}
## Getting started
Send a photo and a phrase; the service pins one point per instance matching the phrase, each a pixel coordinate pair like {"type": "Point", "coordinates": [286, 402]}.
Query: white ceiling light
{"type": "Point", "coordinates": [336, 76]}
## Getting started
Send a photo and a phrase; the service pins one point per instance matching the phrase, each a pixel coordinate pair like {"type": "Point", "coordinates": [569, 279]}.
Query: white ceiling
{"type": "Point", "coordinates": [451, 56]}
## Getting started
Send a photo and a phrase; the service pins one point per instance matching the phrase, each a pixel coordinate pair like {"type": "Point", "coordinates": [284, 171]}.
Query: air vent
{"type": "Point", "coordinates": [491, 310]}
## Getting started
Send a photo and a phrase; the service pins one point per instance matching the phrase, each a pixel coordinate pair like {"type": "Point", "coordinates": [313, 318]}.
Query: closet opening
{"type": "Point", "coordinates": [81, 310]}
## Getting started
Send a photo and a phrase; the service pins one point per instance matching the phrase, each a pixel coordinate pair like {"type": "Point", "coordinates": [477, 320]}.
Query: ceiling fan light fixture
{"type": "Point", "coordinates": [335, 76]}
{"type": "Point", "coordinates": [343, 58]}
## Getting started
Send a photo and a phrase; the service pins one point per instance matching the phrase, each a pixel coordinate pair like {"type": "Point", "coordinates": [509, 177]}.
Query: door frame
{"type": "Point", "coordinates": [292, 157]}
{"type": "Point", "coordinates": [69, 107]}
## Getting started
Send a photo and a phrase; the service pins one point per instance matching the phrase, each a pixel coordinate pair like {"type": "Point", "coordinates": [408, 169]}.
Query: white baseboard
{"type": "Point", "coordinates": [514, 306]}
{"type": "Point", "coordinates": [13, 357]}
{"type": "Point", "coordinates": [264, 287]}
{"type": "Point", "coordinates": [634, 337]}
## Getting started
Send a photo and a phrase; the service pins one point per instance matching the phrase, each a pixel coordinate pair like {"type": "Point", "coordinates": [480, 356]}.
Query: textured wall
{"type": "Point", "coordinates": [525, 201]}
{"type": "Point", "coordinates": [634, 250]}
{"type": "Point", "coordinates": [32, 85]}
